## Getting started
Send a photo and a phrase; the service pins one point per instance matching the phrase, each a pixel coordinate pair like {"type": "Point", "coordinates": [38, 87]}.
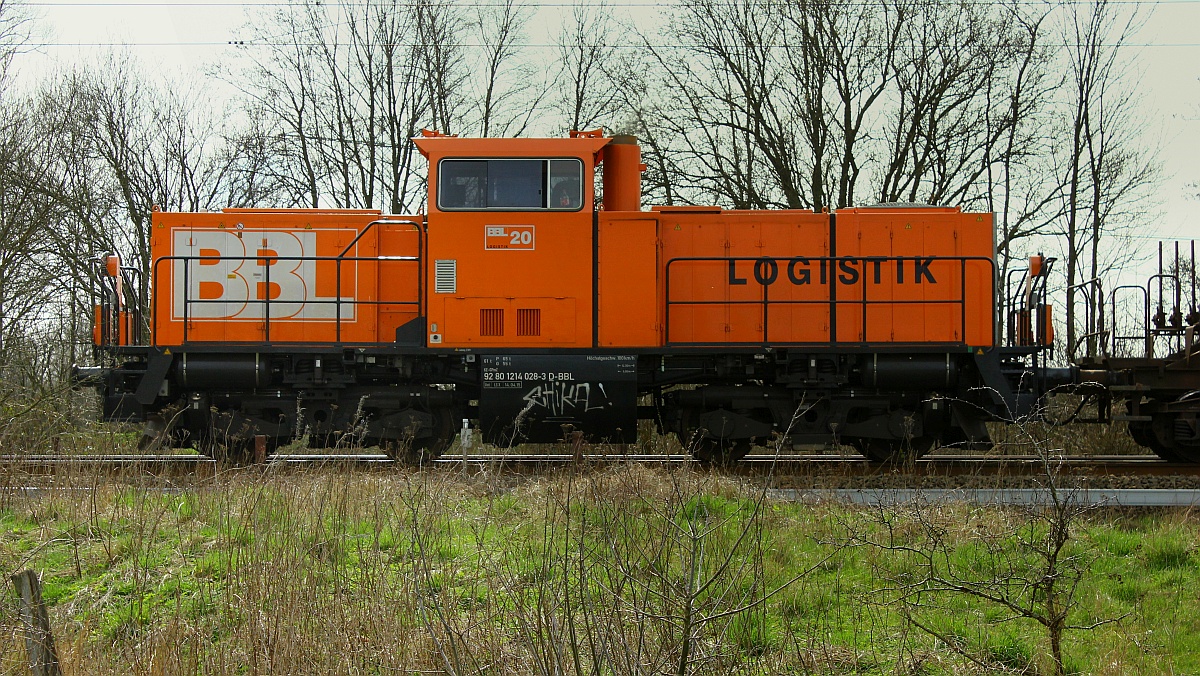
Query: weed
{"type": "Point", "coordinates": [1012, 654]}
{"type": "Point", "coordinates": [1170, 550]}
{"type": "Point", "coordinates": [753, 633]}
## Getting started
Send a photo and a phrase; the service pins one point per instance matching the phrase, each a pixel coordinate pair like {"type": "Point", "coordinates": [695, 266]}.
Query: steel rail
{"type": "Point", "coordinates": [782, 465]}
{"type": "Point", "coordinates": [1186, 498]}
{"type": "Point", "coordinates": [755, 458]}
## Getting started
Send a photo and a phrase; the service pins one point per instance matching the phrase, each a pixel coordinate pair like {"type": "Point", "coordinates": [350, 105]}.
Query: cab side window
{"type": "Point", "coordinates": [565, 188]}
{"type": "Point", "coordinates": [516, 184]}
{"type": "Point", "coordinates": [462, 184]}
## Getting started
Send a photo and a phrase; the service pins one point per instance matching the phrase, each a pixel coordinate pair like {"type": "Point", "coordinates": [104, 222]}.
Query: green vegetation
{"type": "Point", "coordinates": [623, 569]}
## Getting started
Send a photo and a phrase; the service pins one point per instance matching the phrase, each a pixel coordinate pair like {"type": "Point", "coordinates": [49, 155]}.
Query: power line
{"type": "Point", "coordinates": [252, 43]}
{"type": "Point", "coordinates": [647, 4]}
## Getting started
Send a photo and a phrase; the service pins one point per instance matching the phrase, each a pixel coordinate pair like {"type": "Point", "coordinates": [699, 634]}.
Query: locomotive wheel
{"type": "Point", "coordinates": [894, 451]}
{"type": "Point", "coordinates": [414, 452]}
{"type": "Point", "coordinates": [155, 435]}
{"type": "Point", "coordinates": [719, 452]}
{"type": "Point", "coordinates": [707, 447]}
{"type": "Point", "coordinates": [715, 451]}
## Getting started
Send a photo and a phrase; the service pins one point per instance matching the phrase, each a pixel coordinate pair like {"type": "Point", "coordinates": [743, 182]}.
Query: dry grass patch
{"type": "Point", "coordinates": [620, 569]}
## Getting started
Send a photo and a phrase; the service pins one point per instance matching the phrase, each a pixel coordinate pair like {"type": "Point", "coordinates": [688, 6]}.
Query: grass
{"type": "Point", "coordinates": [614, 570]}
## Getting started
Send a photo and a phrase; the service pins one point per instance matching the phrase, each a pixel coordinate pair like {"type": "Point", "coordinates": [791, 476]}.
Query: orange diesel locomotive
{"type": "Point", "coordinates": [527, 303]}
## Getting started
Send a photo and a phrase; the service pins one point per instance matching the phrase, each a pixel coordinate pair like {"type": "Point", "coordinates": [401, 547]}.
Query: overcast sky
{"type": "Point", "coordinates": [183, 37]}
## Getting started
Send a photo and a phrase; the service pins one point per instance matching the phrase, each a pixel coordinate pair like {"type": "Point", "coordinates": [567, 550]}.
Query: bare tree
{"type": "Point", "coordinates": [341, 89]}
{"type": "Point", "coordinates": [25, 276]}
{"type": "Point", "coordinates": [1022, 564]}
{"type": "Point", "coordinates": [152, 146]}
{"type": "Point", "coordinates": [15, 27]}
{"type": "Point", "coordinates": [720, 112]}
{"type": "Point", "coordinates": [1022, 187]}
{"type": "Point", "coordinates": [1106, 176]}
{"type": "Point", "coordinates": [585, 93]}
{"type": "Point", "coordinates": [508, 87]}
{"type": "Point", "coordinates": [24, 211]}
{"type": "Point", "coordinates": [796, 105]}
{"type": "Point", "coordinates": [950, 59]}
{"type": "Point", "coordinates": [858, 47]}
{"type": "Point", "coordinates": [648, 120]}
{"type": "Point", "coordinates": [443, 61]}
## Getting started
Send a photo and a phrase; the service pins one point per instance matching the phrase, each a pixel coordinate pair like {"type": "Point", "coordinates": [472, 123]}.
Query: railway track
{"type": "Point", "coordinates": [1102, 481]}
{"type": "Point", "coordinates": [780, 466]}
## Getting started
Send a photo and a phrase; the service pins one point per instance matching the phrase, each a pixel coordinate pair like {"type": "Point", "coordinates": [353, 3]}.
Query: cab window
{"type": "Point", "coordinates": [517, 184]}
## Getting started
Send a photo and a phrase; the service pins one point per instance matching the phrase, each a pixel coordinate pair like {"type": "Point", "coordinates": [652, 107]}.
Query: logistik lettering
{"type": "Point", "coordinates": [801, 271]}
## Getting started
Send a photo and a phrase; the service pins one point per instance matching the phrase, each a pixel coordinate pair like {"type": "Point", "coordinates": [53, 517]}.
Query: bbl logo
{"type": "Point", "coordinates": [229, 276]}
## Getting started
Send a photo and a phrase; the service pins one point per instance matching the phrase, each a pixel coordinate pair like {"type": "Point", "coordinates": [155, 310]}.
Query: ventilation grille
{"type": "Point", "coordinates": [529, 322]}
{"type": "Point", "coordinates": [491, 322]}
{"type": "Point", "coordinates": [445, 276]}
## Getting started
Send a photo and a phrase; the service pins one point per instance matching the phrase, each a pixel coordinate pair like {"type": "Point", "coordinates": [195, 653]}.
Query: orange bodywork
{"type": "Point", "coordinates": [928, 275]}
{"type": "Point", "coordinates": [573, 277]}
{"type": "Point", "coordinates": [311, 276]}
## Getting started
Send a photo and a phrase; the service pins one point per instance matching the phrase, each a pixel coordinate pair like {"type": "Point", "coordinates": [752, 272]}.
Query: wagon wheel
{"type": "Point", "coordinates": [1143, 435]}
{"type": "Point", "coordinates": [415, 451]}
{"type": "Point", "coordinates": [894, 451]}
{"type": "Point", "coordinates": [1158, 436]}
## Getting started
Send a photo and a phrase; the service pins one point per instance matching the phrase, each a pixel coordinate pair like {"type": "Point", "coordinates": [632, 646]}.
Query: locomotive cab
{"type": "Point", "coordinates": [510, 241]}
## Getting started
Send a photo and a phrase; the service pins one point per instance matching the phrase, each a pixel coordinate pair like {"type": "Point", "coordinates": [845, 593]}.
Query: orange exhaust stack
{"type": "Point", "coordinates": [623, 174]}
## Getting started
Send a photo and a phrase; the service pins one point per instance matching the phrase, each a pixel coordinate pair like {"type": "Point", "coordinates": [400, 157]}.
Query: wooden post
{"type": "Point", "coordinates": [39, 641]}
{"type": "Point", "coordinates": [260, 449]}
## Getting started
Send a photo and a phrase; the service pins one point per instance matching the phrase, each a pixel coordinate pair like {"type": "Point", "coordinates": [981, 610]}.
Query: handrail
{"type": "Point", "coordinates": [1116, 334]}
{"type": "Point", "coordinates": [120, 303]}
{"type": "Point", "coordinates": [380, 221]}
{"type": "Point", "coordinates": [832, 300]}
{"type": "Point", "coordinates": [1093, 315]}
{"type": "Point", "coordinates": [341, 256]}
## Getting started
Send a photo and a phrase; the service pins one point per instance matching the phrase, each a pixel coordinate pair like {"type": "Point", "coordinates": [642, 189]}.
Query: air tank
{"type": "Point", "coordinates": [228, 371]}
{"type": "Point", "coordinates": [909, 372]}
